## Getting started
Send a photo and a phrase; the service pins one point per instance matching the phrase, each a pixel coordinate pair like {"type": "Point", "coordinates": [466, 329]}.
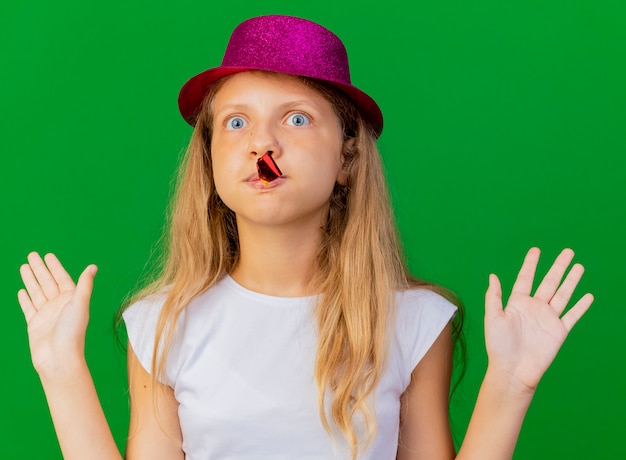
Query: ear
{"type": "Point", "coordinates": [348, 146]}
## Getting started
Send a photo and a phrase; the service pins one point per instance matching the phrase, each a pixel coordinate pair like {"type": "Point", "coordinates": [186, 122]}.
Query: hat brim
{"type": "Point", "coordinates": [194, 91]}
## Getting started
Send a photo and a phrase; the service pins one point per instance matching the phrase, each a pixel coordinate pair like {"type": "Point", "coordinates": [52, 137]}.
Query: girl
{"type": "Point", "coordinates": [284, 323]}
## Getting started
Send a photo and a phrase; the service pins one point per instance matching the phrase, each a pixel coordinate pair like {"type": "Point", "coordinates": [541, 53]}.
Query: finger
{"type": "Point", "coordinates": [62, 278]}
{"type": "Point", "coordinates": [564, 292]}
{"type": "Point", "coordinates": [28, 308]}
{"type": "Point", "coordinates": [82, 295]}
{"type": "Point", "coordinates": [524, 282]}
{"type": "Point", "coordinates": [493, 297]}
{"type": "Point", "coordinates": [552, 280]}
{"type": "Point", "coordinates": [32, 286]}
{"type": "Point", "coordinates": [577, 311]}
{"type": "Point", "coordinates": [48, 285]}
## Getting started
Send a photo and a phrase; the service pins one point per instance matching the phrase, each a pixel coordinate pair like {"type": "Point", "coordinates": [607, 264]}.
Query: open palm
{"type": "Point", "coordinates": [524, 338]}
{"type": "Point", "coordinates": [56, 311]}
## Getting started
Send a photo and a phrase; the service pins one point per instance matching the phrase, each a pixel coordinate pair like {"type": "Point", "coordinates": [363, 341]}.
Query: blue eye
{"type": "Point", "coordinates": [298, 119]}
{"type": "Point", "coordinates": [235, 123]}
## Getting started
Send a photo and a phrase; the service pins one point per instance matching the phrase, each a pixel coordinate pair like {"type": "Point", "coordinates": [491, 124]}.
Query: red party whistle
{"type": "Point", "coordinates": [267, 168]}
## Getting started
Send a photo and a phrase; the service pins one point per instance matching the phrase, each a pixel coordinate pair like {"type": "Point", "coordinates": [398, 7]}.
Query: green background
{"type": "Point", "coordinates": [505, 128]}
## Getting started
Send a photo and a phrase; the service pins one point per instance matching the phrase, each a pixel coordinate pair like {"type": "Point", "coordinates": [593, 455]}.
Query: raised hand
{"type": "Point", "coordinates": [56, 311]}
{"type": "Point", "coordinates": [523, 339]}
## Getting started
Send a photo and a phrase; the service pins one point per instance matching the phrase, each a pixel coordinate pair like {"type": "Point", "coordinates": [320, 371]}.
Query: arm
{"type": "Point", "coordinates": [79, 421]}
{"type": "Point", "coordinates": [522, 341]}
{"type": "Point", "coordinates": [424, 426]}
{"type": "Point", "coordinates": [154, 431]}
{"type": "Point", "coordinates": [57, 312]}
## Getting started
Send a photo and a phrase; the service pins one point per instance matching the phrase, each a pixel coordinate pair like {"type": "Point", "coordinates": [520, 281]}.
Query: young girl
{"type": "Point", "coordinates": [284, 323]}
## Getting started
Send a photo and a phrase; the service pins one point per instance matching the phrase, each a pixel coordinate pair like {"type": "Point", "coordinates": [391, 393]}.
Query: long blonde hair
{"type": "Point", "coordinates": [359, 266]}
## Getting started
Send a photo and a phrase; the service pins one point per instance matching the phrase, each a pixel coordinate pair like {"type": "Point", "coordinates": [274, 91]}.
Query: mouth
{"type": "Point", "coordinates": [257, 182]}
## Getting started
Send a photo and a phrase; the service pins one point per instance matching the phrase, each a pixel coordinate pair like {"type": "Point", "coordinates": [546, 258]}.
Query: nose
{"type": "Point", "coordinates": [263, 139]}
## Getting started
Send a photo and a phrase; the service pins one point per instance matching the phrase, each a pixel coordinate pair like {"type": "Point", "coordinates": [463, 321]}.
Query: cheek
{"type": "Point", "coordinates": [329, 165]}
{"type": "Point", "coordinates": [223, 180]}
{"type": "Point", "coordinates": [223, 172]}
{"type": "Point", "coordinates": [225, 190]}
{"type": "Point", "coordinates": [322, 175]}
{"type": "Point", "coordinates": [224, 157]}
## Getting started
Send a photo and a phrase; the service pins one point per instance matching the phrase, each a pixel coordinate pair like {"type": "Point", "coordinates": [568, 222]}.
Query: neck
{"type": "Point", "coordinates": [277, 260]}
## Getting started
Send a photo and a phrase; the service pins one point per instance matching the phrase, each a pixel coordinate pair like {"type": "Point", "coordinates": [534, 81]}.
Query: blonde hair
{"type": "Point", "coordinates": [358, 270]}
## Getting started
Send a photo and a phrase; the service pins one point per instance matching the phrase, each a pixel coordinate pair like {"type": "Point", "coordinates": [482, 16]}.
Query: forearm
{"type": "Point", "coordinates": [78, 418]}
{"type": "Point", "coordinates": [497, 419]}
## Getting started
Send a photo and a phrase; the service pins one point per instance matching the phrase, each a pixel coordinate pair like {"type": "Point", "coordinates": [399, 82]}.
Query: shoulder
{"type": "Point", "coordinates": [424, 306]}
{"type": "Point", "coordinates": [420, 316]}
{"type": "Point", "coordinates": [144, 308]}
{"type": "Point", "coordinates": [140, 319]}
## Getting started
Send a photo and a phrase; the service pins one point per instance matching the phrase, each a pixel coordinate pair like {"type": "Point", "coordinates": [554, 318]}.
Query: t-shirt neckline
{"type": "Point", "coordinates": [231, 283]}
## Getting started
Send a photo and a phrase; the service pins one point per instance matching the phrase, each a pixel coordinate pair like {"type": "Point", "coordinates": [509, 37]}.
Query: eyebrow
{"type": "Point", "coordinates": [283, 106]}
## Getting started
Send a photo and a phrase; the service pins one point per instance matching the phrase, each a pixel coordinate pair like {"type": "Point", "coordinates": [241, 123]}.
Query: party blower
{"type": "Point", "coordinates": [267, 168]}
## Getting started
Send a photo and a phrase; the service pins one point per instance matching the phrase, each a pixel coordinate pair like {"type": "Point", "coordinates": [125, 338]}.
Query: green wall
{"type": "Point", "coordinates": [505, 128]}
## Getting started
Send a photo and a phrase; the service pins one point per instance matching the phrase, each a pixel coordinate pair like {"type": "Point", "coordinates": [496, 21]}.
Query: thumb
{"type": "Point", "coordinates": [493, 297]}
{"type": "Point", "coordinates": [85, 285]}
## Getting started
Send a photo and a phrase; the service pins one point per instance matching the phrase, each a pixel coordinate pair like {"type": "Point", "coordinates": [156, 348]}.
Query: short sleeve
{"type": "Point", "coordinates": [141, 320]}
{"type": "Point", "coordinates": [421, 317]}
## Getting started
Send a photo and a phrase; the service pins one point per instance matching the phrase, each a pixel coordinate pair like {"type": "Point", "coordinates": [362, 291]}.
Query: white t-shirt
{"type": "Point", "coordinates": [242, 371]}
